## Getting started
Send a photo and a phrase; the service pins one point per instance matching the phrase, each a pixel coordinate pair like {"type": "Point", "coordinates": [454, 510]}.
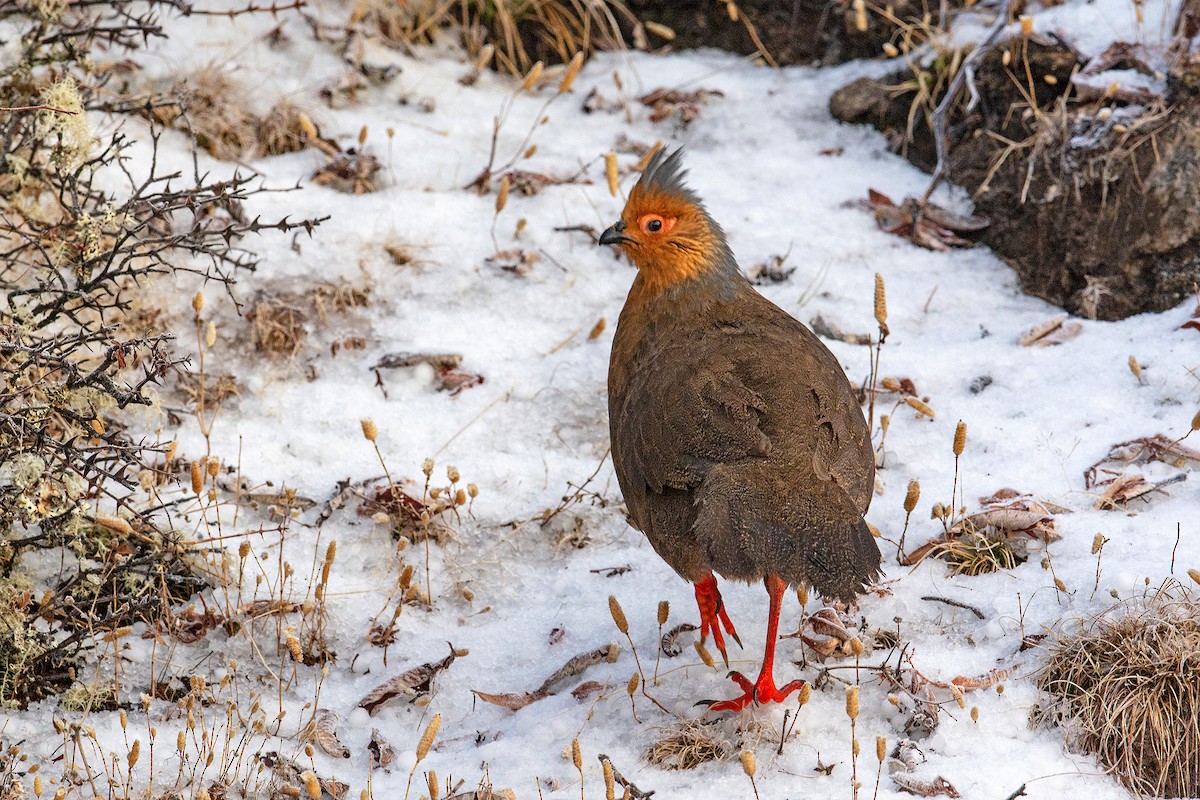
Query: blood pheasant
{"type": "Point", "coordinates": [736, 436]}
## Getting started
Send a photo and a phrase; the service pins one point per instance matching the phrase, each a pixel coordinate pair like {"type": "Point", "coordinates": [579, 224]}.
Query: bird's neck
{"type": "Point", "coordinates": [683, 273]}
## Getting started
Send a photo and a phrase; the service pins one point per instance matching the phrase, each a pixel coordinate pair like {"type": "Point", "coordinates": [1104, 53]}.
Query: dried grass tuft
{"type": "Point", "coordinates": [214, 109]}
{"type": "Point", "coordinates": [1126, 686]}
{"type": "Point", "coordinates": [692, 743]}
{"type": "Point", "coordinates": [279, 326]}
{"type": "Point", "coordinates": [518, 33]}
{"type": "Point", "coordinates": [977, 553]}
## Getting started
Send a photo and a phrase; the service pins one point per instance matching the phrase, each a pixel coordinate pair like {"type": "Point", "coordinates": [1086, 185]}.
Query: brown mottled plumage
{"type": "Point", "coordinates": [736, 436]}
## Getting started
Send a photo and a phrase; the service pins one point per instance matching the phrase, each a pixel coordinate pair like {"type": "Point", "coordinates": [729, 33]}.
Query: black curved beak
{"type": "Point", "coordinates": [615, 234]}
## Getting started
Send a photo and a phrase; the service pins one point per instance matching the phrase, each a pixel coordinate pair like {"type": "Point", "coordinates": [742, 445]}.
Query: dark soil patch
{"type": "Point", "coordinates": [791, 31]}
{"type": "Point", "coordinates": [1095, 204]}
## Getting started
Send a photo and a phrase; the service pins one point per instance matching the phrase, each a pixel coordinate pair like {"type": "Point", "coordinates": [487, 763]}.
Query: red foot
{"type": "Point", "coordinates": [713, 616]}
{"type": "Point", "coordinates": [762, 692]}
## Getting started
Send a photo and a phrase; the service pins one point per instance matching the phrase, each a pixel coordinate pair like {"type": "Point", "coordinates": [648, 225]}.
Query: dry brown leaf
{"type": "Point", "coordinates": [414, 683]}
{"type": "Point", "coordinates": [924, 224]}
{"type": "Point", "coordinates": [577, 665]}
{"type": "Point", "coordinates": [670, 641]}
{"type": "Point", "coordinates": [984, 681]}
{"type": "Point", "coordinates": [827, 623]}
{"type": "Point", "coordinates": [323, 731]}
{"type": "Point", "coordinates": [828, 330]}
{"type": "Point", "coordinates": [383, 755]}
{"type": "Point", "coordinates": [937, 786]}
{"type": "Point", "coordinates": [1052, 332]}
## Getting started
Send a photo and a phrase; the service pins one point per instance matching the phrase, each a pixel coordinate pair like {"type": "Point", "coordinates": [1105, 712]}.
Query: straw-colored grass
{"type": "Point", "coordinates": [1126, 686]}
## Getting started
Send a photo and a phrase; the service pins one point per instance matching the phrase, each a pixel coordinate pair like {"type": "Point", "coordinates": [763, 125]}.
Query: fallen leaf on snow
{"type": "Point", "coordinates": [1055, 331]}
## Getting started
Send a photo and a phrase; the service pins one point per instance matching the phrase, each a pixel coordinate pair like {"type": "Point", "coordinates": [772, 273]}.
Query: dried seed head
{"type": "Point", "coordinates": [502, 195]}
{"type": "Point", "coordinates": [614, 651]}
{"type": "Point", "coordinates": [1196, 422]}
{"type": "Point", "coordinates": [576, 755]}
{"type": "Point", "coordinates": [749, 765]}
{"type": "Point", "coordinates": [1134, 366]}
{"type": "Point", "coordinates": [453, 474]}
{"type": "Point", "coordinates": [880, 748]}
{"type": "Point", "coordinates": [1026, 24]}
{"type": "Point", "coordinates": [618, 615]}
{"type": "Point", "coordinates": [802, 595]}
{"type": "Point", "coordinates": [198, 303]}
{"type": "Point", "coordinates": [912, 496]}
{"type": "Point", "coordinates": [609, 784]}
{"type": "Point", "coordinates": [1194, 575]}
{"type": "Point", "coordinates": [1051, 80]}
{"type": "Point", "coordinates": [597, 329]}
{"type": "Point", "coordinates": [1097, 543]}
{"type": "Point", "coordinates": [885, 422]}
{"type": "Point", "coordinates": [880, 302]}
{"type": "Point", "coordinates": [664, 611]}
{"type": "Point", "coordinates": [197, 478]}
{"type": "Point", "coordinates": [472, 490]}
{"type": "Point", "coordinates": [960, 438]}
{"type": "Point", "coordinates": [427, 737]}
{"type": "Point", "coordinates": [244, 550]}
{"type": "Point", "coordinates": [1058, 583]}
{"type": "Point", "coordinates": [852, 702]}
{"type": "Point", "coordinates": [460, 498]}
{"type": "Point", "coordinates": [134, 751]}
{"type": "Point", "coordinates": [427, 467]}
{"type": "Point", "coordinates": [860, 16]}
{"type": "Point", "coordinates": [434, 789]}
{"type": "Point", "coordinates": [958, 696]}
{"type": "Point", "coordinates": [37, 786]}
{"type": "Point", "coordinates": [856, 747]}
{"type": "Point", "coordinates": [362, 135]}
{"type": "Point", "coordinates": [210, 335]}
{"type": "Point", "coordinates": [705, 656]}
{"type": "Point", "coordinates": [856, 646]}
{"type": "Point", "coordinates": [938, 512]}
{"type": "Point", "coordinates": [293, 646]}
{"type": "Point", "coordinates": [1000, 686]}
{"type": "Point", "coordinates": [919, 406]}
{"type": "Point", "coordinates": [890, 50]}
{"type": "Point", "coordinates": [610, 172]}
{"type": "Point", "coordinates": [805, 694]}
{"type": "Point", "coordinates": [115, 524]}
{"type": "Point", "coordinates": [571, 72]}
{"type": "Point", "coordinates": [891, 384]}
{"type": "Point", "coordinates": [312, 786]}
{"type": "Point", "coordinates": [974, 713]}
{"type": "Point", "coordinates": [369, 430]}
{"type": "Point", "coordinates": [533, 76]}
{"type": "Point", "coordinates": [633, 684]}
{"type": "Point", "coordinates": [212, 467]}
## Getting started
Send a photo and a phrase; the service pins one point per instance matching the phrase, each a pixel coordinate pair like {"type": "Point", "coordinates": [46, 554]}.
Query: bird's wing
{"type": "Point", "coordinates": [684, 412]}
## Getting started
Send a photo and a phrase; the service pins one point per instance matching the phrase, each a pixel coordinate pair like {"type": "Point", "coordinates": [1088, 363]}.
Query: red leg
{"type": "Point", "coordinates": [763, 690]}
{"type": "Point", "coordinates": [712, 614]}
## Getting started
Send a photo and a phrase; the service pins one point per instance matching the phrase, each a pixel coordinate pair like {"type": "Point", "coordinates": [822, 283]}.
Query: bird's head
{"type": "Point", "coordinates": [665, 229]}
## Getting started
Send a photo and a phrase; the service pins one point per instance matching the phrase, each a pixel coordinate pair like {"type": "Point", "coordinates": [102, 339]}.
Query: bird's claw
{"type": "Point", "coordinates": [762, 692]}
{"type": "Point", "coordinates": [713, 618]}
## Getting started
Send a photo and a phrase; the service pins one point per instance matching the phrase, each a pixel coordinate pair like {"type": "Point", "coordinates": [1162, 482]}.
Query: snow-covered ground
{"type": "Point", "coordinates": [781, 177]}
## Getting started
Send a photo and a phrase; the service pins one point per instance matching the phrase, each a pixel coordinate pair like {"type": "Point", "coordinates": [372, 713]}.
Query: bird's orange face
{"type": "Point", "coordinates": [667, 238]}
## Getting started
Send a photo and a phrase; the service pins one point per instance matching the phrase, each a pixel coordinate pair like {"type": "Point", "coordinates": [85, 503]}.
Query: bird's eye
{"type": "Point", "coordinates": [653, 223]}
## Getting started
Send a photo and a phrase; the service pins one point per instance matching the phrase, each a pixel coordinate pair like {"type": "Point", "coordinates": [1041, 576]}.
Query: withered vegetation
{"type": "Point", "coordinates": [1126, 686]}
{"type": "Point", "coordinates": [79, 476]}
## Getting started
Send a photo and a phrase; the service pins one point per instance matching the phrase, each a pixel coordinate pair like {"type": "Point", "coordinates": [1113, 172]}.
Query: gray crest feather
{"type": "Point", "coordinates": [665, 173]}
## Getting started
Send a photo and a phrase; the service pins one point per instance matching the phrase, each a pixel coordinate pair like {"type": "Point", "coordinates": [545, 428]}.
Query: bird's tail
{"type": "Point", "coordinates": [841, 563]}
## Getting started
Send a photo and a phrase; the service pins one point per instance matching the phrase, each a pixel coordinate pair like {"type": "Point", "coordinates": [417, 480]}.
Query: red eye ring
{"type": "Point", "coordinates": [655, 223]}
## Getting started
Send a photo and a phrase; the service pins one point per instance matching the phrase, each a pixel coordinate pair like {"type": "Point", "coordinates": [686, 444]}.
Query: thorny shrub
{"type": "Point", "coordinates": [77, 475]}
